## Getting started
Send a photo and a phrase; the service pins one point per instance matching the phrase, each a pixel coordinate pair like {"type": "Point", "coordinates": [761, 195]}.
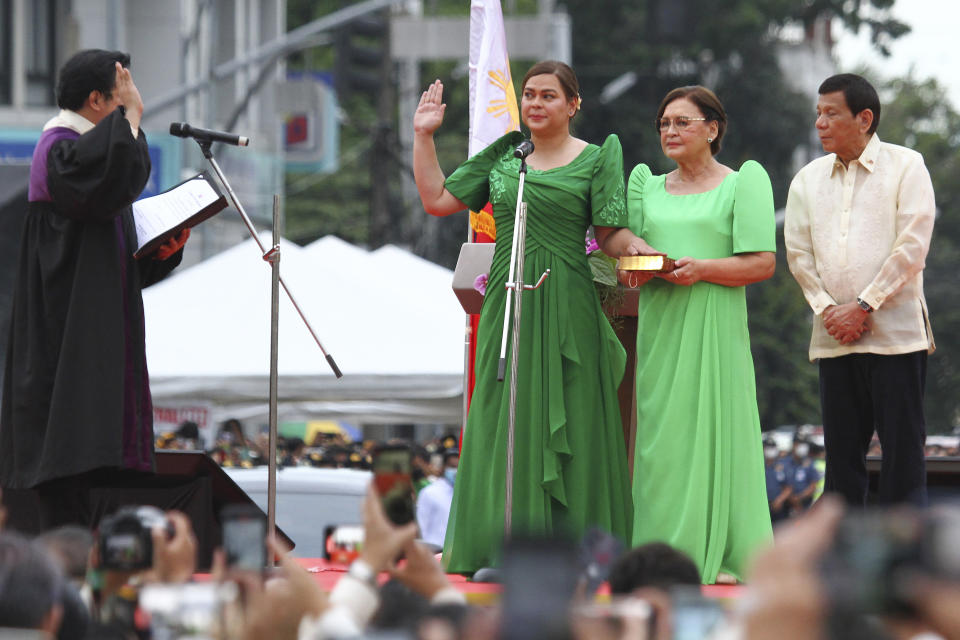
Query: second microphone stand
{"type": "Point", "coordinates": [272, 256]}
{"type": "Point", "coordinates": [515, 286]}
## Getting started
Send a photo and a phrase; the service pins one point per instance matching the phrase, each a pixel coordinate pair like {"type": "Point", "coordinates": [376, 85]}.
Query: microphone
{"type": "Point", "coordinates": [523, 149]}
{"type": "Point", "coordinates": [183, 130]}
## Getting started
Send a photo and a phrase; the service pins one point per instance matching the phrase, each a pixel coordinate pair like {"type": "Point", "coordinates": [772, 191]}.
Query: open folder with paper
{"type": "Point", "coordinates": [165, 215]}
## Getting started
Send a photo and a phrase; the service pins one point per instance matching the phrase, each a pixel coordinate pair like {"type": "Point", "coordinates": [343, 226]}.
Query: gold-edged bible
{"type": "Point", "coordinates": [646, 263]}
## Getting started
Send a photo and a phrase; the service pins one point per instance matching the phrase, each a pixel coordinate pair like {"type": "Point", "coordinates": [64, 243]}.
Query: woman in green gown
{"type": "Point", "coordinates": [570, 469]}
{"type": "Point", "coordinates": [698, 479]}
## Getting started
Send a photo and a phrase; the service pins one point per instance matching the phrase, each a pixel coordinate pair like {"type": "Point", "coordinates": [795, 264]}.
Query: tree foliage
{"type": "Point", "coordinates": [874, 15]}
{"type": "Point", "coordinates": [917, 114]}
{"type": "Point", "coordinates": [667, 43]}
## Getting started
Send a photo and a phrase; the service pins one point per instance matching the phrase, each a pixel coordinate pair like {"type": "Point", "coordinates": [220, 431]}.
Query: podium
{"type": "Point", "coordinates": [626, 330]}
{"type": "Point", "coordinates": [474, 259]}
{"type": "Point", "coordinates": [188, 481]}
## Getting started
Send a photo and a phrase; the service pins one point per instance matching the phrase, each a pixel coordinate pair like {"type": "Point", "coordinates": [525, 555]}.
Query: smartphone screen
{"type": "Point", "coordinates": [598, 551]}
{"type": "Point", "coordinates": [539, 580]}
{"type": "Point", "coordinates": [391, 476]}
{"type": "Point", "coordinates": [694, 615]}
{"type": "Point", "coordinates": [244, 537]}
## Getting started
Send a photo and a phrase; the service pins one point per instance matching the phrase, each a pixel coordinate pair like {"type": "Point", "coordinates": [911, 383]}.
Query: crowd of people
{"type": "Point", "coordinates": [931, 449]}
{"type": "Point", "coordinates": [233, 447]}
{"type": "Point", "coordinates": [66, 584]}
{"type": "Point", "coordinates": [794, 475]}
{"type": "Point", "coordinates": [794, 478]}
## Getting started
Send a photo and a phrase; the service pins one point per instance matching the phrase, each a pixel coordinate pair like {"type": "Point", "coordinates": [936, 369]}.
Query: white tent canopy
{"type": "Point", "coordinates": [389, 319]}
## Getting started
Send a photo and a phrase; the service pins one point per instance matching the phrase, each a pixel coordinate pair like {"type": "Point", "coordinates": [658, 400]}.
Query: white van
{"type": "Point", "coordinates": [309, 500]}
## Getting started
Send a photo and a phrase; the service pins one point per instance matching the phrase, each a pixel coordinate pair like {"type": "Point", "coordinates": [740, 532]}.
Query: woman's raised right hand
{"type": "Point", "coordinates": [429, 114]}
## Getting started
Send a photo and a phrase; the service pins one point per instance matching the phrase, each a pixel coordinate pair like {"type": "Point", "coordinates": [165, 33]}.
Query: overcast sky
{"type": "Point", "coordinates": [930, 47]}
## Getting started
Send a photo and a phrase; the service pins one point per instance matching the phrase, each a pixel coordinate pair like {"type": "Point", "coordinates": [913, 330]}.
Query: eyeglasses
{"type": "Point", "coordinates": [680, 122]}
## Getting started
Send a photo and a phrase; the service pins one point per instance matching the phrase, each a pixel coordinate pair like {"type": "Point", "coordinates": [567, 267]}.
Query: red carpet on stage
{"type": "Point", "coordinates": [479, 593]}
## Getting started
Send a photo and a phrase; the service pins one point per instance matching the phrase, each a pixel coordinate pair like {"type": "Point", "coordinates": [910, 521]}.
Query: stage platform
{"type": "Point", "coordinates": [479, 593]}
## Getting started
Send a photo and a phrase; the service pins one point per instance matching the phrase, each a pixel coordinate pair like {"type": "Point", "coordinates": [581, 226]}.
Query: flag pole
{"type": "Point", "coordinates": [493, 112]}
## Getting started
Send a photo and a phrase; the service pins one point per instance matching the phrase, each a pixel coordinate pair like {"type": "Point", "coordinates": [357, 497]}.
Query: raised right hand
{"type": "Point", "coordinates": [174, 559]}
{"type": "Point", "coordinates": [129, 97]}
{"type": "Point", "coordinates": [127, 91]}
{"type": "Point", "coordinates": [429, 114]}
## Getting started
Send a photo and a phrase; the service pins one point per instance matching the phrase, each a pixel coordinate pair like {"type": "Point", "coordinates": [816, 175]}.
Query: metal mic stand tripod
{"type": "Point", "coordinates": [514, 287]}
{"type": "Point", "coordinates": [272, 256]}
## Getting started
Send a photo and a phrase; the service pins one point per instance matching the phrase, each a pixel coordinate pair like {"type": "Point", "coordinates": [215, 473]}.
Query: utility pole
{"type": "Point", "coordinates": [380, 161]}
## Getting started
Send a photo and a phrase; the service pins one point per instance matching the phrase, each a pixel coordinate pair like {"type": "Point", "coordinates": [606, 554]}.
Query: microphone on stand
{"type": "Point", "coordinates": [183, 130]}
{"type": "Point", "coordinates": [523, 149]}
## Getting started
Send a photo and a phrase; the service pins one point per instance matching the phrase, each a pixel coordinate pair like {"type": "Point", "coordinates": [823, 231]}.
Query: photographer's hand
{"type": "Point", "coordinates": [421, 572]}
{"type": "Point", "coordinates": [936, 601]}
{"type": "Point", "coordinates": [785, 599]}
{"type": "Point", "coordinates": [174, 559]}
{"type": "Point", "coordinates": [275, 609]}
{"type": "Point", "coordinates": [382, 540]}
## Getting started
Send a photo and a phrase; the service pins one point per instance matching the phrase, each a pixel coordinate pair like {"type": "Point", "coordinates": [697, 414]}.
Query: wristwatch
{"type": "Point", "coordinates": [864, 305]}
{"type": "Point", "coordinates": [363, 572]}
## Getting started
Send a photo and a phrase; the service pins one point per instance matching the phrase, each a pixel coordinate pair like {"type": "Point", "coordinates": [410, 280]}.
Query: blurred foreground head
{"type": "Point", "coordinates": [70, 545]}
{"type": "Point", "coordinates": [30, 586]}
{"type": "Point", "coordinates": [656, 565]}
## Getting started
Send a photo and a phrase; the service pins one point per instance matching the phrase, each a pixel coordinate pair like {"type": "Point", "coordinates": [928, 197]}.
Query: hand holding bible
{"type": "Point", "coordinates": [172, 245]}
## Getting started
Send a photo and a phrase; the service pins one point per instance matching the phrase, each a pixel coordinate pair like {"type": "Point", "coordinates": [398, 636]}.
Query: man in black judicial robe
{"type": "Point", "coordinates": [76, 397]}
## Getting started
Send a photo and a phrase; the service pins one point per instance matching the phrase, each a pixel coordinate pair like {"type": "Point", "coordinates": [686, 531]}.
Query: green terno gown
{"type": "Point", "coordinates": [698, 478]}
{"type": "Point", "coordinates": [570, 468]}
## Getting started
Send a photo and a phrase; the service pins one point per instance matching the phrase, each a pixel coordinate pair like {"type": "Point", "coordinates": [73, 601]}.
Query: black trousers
{"type": "Point", "coordinates": [865, 392]}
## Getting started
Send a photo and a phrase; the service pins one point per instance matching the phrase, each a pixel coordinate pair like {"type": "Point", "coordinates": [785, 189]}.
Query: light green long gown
{"type": "Point", "coordinates": [570, 461]}
{"type": "Point", "coordinates": [698, 478]}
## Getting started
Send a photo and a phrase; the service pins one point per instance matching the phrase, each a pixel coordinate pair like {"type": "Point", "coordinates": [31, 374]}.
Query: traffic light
{"type": "Point", "coordinates": [361, 51]}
